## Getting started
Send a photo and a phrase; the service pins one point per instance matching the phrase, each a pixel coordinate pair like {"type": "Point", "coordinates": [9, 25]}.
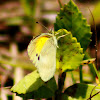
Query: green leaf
{"type": "Point", "coordinates": [69, 54]}
{"type": "Point", "coordinates": [31, 86]}
{"type": "Point", "coordinates": [96, 14]}
{"type": "Point", "coordinates": [51, 84]}
{"type": "Point", "coordinates": [92, 67]}
{"type": "Point", "coordinates": [45, 91]}
{"type": "Point", "coordinates": [88, 61]}
{"type": "Point", "coordinates": [42, 92]}
{"type": "Point", "coordinates": [29, 83]}
{"type": "Point", "coordinates": [71, 19]}
{"type": "Point", "coordinates": [81, 91]}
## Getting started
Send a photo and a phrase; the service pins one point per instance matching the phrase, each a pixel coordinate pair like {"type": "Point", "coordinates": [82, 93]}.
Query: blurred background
{"type": "Point", "coordinates": [18, 26]}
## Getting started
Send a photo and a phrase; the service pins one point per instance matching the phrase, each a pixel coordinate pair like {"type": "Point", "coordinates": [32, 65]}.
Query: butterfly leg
{"type": "Point", "coordinates": [62, 36]}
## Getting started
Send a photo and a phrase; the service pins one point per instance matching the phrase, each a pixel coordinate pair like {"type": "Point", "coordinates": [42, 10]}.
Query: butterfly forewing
{"type": "Point", "coordinates": [35, 47]}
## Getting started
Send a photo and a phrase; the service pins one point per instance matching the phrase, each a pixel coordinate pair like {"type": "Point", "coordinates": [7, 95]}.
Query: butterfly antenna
{"type": "Point", "coordinates": [43, 26]}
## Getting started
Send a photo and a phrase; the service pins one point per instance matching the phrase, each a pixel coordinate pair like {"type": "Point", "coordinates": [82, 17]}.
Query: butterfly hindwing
{"type": "Point", "coordinates": [47, 61]}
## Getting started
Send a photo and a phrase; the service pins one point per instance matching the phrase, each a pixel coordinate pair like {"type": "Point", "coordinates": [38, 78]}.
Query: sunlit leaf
{"type": "Point", "coordinates": [88, 61]}
{"type": "Point", "coordinates": [29, 83]}
{"type": "Point", "coordinates": [69, 54]}
{"type": "Point", "coordinates": [81, 91]}
{"type": "Point", "coordinates": [31, 86]}
{"type": "Point", "coordinates": [71, 19]}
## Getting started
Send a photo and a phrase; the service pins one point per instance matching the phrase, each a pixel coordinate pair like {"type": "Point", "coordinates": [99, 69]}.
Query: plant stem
{"type": "Point", "coordinates": [61, 80]}
{"type": "Point", "coordinates": [97, 73]}
{"type": "Point", "coordinates": [81, 76]}
{"type": "Point", "coordinates": [96, 49]}
{"type": "Point", "coordinates": [74, 81]}
{"type": "Point", "coordinates": [60, 4]}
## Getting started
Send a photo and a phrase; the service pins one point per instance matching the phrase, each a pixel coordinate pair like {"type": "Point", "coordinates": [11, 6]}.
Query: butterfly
{"type": "Point", "coordinates": [42, 52]}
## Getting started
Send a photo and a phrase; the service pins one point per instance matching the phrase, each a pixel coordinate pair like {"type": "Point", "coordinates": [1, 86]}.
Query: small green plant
{"type": "Point", "coordinates": [70, 56]}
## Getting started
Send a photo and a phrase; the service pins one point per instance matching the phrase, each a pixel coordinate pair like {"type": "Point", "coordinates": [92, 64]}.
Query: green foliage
{"type": "Point", "coordinates": [71, 19]}
{"type": "Point", "coordinates": [71, 23]}
{"type": "Point", "coordinates": [69, 54]}
{"type": "Point", "coordinates": [96, 14]}
{"type": "Point", "coordinates": [81, 91]}
{"type": "Point", "coordinates": [31, 86]}
{"type": "Point", "coordinates": [29, 83]}
{"type": "Point", "coordinates": [91, 66]}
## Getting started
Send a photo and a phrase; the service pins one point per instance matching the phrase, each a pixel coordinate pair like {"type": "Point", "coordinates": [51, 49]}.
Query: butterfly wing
{"type": "Point", "coordinates": [47, 61]}
{"type": "Point", "coordinates": [42, 51]}
{"type": "Point", "coordinates": [35, 47]}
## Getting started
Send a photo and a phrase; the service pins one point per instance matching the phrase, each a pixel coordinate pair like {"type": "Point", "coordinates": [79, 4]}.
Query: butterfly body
{"type": "Point", "coordinates": [42, 52]}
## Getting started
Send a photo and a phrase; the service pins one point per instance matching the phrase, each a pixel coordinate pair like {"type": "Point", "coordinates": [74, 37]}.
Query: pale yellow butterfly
{"type": "Point", "coordinates": [42, 52]}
